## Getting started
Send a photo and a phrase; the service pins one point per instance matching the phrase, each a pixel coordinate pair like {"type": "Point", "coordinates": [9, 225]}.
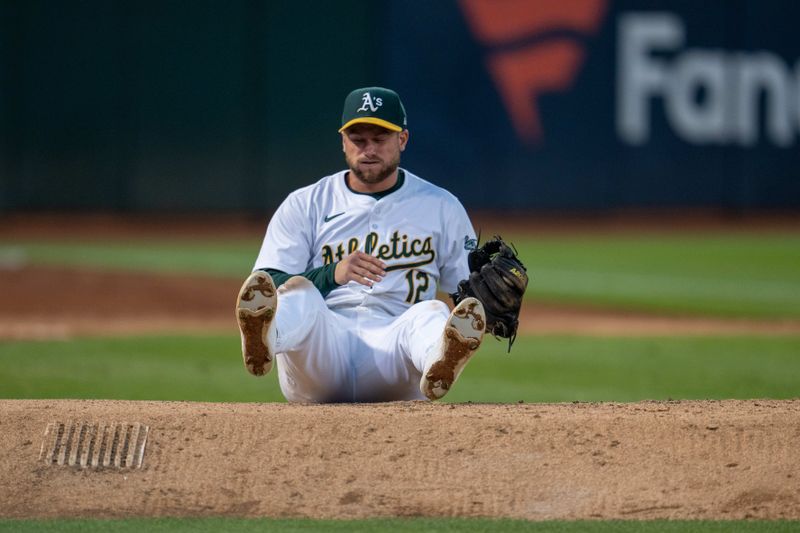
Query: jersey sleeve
{"type": "Point", "coordinates": [322, 277]}
{"type": "Point", "coordinates": [458, 238]}
{"type": "Point", "coordinates": [287, 244]}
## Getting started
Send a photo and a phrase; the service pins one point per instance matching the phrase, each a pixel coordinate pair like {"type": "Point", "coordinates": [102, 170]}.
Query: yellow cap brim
{"type": "Point", "coordinates": [371, 120]}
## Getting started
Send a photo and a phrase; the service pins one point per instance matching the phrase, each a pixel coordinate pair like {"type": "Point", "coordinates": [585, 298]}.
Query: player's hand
{"type": "Point", "coordinates": [361, 268]}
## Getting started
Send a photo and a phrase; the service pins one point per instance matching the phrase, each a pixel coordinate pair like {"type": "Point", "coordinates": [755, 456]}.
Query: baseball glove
{"type": "Point", "coordinates": [498, 279]}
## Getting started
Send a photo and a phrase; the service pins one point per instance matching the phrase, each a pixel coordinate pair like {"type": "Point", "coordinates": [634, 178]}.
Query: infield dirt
{"type": "Point", "coordinates": [92, 302]}
{"type": "Point", "coordinates": [673, 460]}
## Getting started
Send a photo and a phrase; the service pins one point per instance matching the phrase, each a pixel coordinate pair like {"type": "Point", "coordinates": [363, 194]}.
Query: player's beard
{"type": "Point", "coordinates": [374, 173]}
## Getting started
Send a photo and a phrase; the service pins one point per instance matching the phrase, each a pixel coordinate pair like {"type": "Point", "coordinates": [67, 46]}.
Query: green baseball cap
{"type": "Point", "coordinates": [374, 105]}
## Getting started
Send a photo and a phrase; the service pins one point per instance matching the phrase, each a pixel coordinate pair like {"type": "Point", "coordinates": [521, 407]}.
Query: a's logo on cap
{"type": "Point", "coordinates": [368, 104]}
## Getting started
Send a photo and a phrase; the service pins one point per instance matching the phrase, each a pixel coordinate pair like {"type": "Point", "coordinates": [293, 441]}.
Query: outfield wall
{"type": "Point", "coordinates": [586, 104]}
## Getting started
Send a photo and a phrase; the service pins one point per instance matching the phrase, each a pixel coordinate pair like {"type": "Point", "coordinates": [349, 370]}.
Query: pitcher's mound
{"type": "Point", "coordinates": [698, 460]}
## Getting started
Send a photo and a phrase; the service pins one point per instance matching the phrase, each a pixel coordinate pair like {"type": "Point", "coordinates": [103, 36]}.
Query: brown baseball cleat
{"type": "Point", "coordinates": [255, 312]}
{"type": "Point", "coordinates": [461, 338]}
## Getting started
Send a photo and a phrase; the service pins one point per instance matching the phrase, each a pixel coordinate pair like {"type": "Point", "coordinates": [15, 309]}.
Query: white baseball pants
{"type": "Point", "coordinates": [352, 356]}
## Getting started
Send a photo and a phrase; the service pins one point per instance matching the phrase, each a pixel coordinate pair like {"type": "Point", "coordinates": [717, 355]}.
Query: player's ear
{"type": "Point", "coordinates": [404, 135]}
{"type": "Point", "coordinates": [343, 146]}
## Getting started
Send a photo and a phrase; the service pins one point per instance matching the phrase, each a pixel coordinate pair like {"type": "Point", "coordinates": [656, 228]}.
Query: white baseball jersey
{"type": "Point", "coordinates": [420, 231]}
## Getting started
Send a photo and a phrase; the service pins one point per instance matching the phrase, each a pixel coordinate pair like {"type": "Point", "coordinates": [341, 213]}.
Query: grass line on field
{"type": "Point", "coordinates": [596, 283]}
{"type": "Point", "coordinates": [548, 368]}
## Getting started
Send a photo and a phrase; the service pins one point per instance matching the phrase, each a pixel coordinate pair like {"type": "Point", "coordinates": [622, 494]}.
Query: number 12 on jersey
{"type": "Point", "coordinates": [418, 282]}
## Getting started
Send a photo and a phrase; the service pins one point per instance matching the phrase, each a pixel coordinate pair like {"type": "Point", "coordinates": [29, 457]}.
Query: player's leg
{"type": "Point", "coordinates": [293, 325]}
{"type": "Point", "coordinates": [255, 313]}
{"type": "Point", "coordinates": [385, 371]}
{"type": "Point", "coordinates": [460, 339]}
{"type": "Point", "coordinates": [312, 346]}
{"type": "Point", "coordinates": [422, 352]}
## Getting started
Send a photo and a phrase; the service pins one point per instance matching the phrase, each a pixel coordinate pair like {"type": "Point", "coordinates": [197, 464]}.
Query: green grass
{"type": "Point", "coordinates": [579, 368]}
{"type": "Point", "coordinates": [173, 525]}
{"type": "Point", "coordinates": [743, 275]}
{"type": "Point", "coordinates": [540, 369]}
{"type": "Point", "coordinates": [721, 274]}
{"type": "Point", "coordinates": [132, 368]}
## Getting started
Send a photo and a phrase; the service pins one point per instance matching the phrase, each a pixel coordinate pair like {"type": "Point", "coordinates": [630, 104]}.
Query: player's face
{"type": "Point", "coordinates": [373, 152]}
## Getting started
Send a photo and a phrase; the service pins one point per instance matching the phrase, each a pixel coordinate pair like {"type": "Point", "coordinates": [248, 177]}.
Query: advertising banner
{"type": "Point", "coordinates": [598, 104]}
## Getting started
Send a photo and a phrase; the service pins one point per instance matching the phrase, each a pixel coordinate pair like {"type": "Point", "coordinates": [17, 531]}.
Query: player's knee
{"type": "Point", "coordinates": [300, 294]}
{"type": "Point", "coordinates": [432, 306]}
{"type": "Point", "coordinates": [298, 283]}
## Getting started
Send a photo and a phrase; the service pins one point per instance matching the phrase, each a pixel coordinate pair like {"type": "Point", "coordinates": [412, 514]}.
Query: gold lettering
{"type": "Point", "coordinates": [398, 247]}
{"type": "Point", "coordinates": [371, 241]}
{"type": "Point", "coordinates": [405, 252]}
{"type": "Point", "coordinates": [352, 246]}
{"type": "Point", "coordinates": [414, 247]}
{"type": "Point", "coordinates": [327, 255]}
{"type": "Point", "coordinates": [395, 237]}
{"type": "Point", "coordinates": [428, 247]}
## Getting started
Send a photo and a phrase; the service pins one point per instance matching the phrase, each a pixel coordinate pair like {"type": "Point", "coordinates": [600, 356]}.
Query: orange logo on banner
{"type": "Point", "coordinates": [523, 73]}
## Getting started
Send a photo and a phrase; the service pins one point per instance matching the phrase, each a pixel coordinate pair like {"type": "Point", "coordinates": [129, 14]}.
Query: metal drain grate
{"type": "Point", "coordinates": [94, 445]}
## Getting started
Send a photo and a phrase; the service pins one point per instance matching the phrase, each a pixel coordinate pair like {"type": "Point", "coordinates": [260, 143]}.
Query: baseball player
{"type": "Point", "coordinates": [343, 292]}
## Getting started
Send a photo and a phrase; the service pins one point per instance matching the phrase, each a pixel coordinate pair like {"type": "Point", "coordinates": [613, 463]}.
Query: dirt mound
{"type": "Point", "coordinates": [49, 302]}
{"type": "Point", "coordinates": [675, 460]}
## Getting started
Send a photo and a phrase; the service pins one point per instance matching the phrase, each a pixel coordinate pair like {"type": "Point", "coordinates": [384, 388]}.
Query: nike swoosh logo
{"type": "Point", "coordinates": [331, 217]}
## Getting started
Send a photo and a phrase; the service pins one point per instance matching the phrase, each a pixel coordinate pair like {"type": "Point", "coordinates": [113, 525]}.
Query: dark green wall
{"type": "Point", "coordinates": [174, 104]}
